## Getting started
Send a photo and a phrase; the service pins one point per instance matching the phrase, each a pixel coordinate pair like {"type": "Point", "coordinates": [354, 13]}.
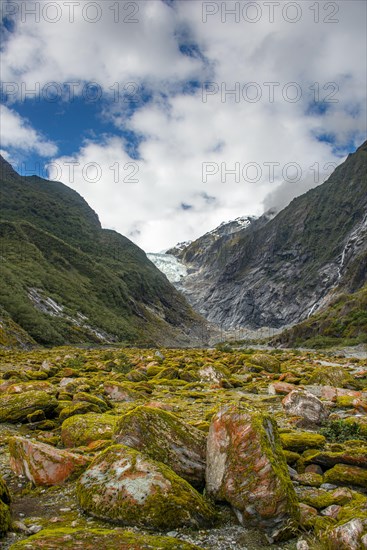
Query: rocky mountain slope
{"type": "Point", "coordinates": [280, 270]}
{"type": "Point", "coordinates": [65, 279]}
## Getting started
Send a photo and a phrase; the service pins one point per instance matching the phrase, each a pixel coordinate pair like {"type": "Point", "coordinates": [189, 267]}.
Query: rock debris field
{"type": "Point", "coordinates": [182, 449]}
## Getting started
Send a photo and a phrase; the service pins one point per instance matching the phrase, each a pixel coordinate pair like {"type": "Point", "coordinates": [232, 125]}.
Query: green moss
{"type": "Point", "coordinates": [136, 376]}
{"type": "Point", "coordinates": [5, 518]}
{"type": "Point", "coordinates": [78, 408]}
{"type": "Point", "coordinates": [169, 373]}
{"type": "Point", "coordinates": [266, 362]}
{"type": "Point", "coordinates": [345, 401]}
{"type": "Point", "coordinates": [333, 376]}
{"type": "Point", "coordinates": [355, 507]}
{"type": "Point", "coordinates": [16, 407]}
{"type": "Point", "coordinates": [87, 397]}
{"type": "Point", "coordinates": [317, 498]}
{"type": "Point", "coordinates": [343, 474]}
{"type": "Point", "coordinates": [355, 456]}
{"type": "Point", "coordinates": [4, 492]}
{"type": "Point", "coordinates": [125, 487]}
{"type": "Point", "coordinates": [300, 441]}
{"type": "Point", "coordinates": [166, 438]}
{"type": "Point", "coordinates": [108, 539]}
{"type": "Point", "coordinates": [310, 479]}
{"type": "Point", "coordinates": [291, 456]}
{"type": "Point", "coordinates": [80, 430]}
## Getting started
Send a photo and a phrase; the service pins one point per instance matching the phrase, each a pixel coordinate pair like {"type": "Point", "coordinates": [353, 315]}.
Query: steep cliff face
{"type": "Point", "coordinates": [279, 270]}
{"type": "Point", "coordinates": [65, 279]}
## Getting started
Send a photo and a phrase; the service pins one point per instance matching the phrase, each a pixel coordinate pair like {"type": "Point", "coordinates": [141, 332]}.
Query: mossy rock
{"type": "Point", "coordinates": [291, 456]}
{"type": "Point", "coordinates": [16, 407]}
{"type": "Point", "coordinates": [126, 487]}
{"type": "Point", "coordinates": [246, 468]}
{"type": "Point", "coordinates": [300, 441]}
{"type": "Point", "coordinates": [40, 385]}
{"type": "Point", "coordinates": [36, 416]}
{"type": "Point", "coordinates": [169, 373]}
{"type": "Point", "coordinates": [136, 376]}
{"type": "Point", "coordinates": [343, 474]}
{"type": "Point", "coordinates": [309, 479]}
{"type": "Point", "coordinates": [122, 391]}
{"type": "Point", "coordinates": [356, 456]}
{"type": "Point", "coordinates": [166, 438]}
{"type": "Point", "coordinates": [36, 375]}
{"type": "Point", "coordinates": [355, 506]}
{"type": "Point", "coordinates": [4, 492]}
{"type": "Point", "coordinates": [80, 430]}
{"type": "Point", "coordinates": [106, 539]}
{"type": "Point", "coordinates": [320, 498]}
{"type": "Point", "coordinates": [345, 401]}
{"type": "Point", "coordinates": [153, 370]}
{"type": "Point", "coordinates": [267, 363]}
{"type": "Point", "coordinates": [78, 408]}
{"type": "Point", "coordinates": [87, 397]}
{"type": "Point", "coordinates": [5, 518]}
{"type": "Point", "coordinates": [332, 376]}
{"type": "Point", "coordinates": [189, 375]}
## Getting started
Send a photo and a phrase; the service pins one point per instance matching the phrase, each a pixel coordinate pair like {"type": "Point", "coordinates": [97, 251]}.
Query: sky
{"type": "Point", "coordinates": [170, 117]}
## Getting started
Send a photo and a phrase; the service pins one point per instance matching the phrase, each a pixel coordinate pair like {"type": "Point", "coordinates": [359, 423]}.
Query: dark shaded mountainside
{"type": "Point", "coordinates": [64, 279]}
{"type": "Point", "coordinates": [279, 271]}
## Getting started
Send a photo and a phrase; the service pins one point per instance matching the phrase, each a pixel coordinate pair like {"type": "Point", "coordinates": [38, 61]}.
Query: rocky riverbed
{"type": "Point", "coordinates": [130, 448]}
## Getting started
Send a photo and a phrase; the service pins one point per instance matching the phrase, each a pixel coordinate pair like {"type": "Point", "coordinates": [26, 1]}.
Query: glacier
{"type": "Point", "coordinates": [173, 269]}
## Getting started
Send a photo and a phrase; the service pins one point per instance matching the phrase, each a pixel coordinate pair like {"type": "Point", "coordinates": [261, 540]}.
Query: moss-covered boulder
{"type": "Point", "coordinates": [81, 397]}
{"type": "Point", "coordinates": [267, 363]}
{"type": "Point", "coordinates": [328, 459]}
{"type": "Point", "coordinates": [16, 407]}
{"type": "Point", "coordinates": [343, 474]}
{"type": "Point", "coordinates": [106, 539]}
{"type": "Point", "coordinates": [126, 487]}
{"type": "Point", "coordinates": [118, 391]}
{"type": "Point", "coordinates": [336, 376]}
{"type": "Point", "coordinates": [166, 438]}
{"type": "Point", "coordinates": [22, 387]}
{"type": "Point", "coordinates": [300, 441]}
{"type": "Point", "coordinates": [43, 464]}
{"type": "Point", "coordinates": [320, 498]}
{"type": "Point", "coordinates": [246, 467]}
{"type": "Point", "coordinates": [5, 519]}
{"type": "Point", "coordinates": [82, 429]}
{"type": "Point", "coordinates": [72, 409]}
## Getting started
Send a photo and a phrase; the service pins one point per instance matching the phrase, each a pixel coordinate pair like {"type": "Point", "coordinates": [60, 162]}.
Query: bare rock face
{"type": "Point", "coordinates": [43, 464]}
{"type": "Point", "coordinates": [246, 467]}
{"type": "Point", "coordinates": [164, 437]}
{"type": "Point", "coordinates": [306, 405]}
{"type": "Point", "coordinates": [126, 487]}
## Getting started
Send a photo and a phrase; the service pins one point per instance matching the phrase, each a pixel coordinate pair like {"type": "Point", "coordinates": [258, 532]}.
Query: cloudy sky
{"type": "Point", "coordinates": [170, 117]}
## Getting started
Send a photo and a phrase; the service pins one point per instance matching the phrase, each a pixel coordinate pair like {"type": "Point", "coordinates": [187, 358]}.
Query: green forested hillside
{"type": "Point", "coordinates": [65, 279]}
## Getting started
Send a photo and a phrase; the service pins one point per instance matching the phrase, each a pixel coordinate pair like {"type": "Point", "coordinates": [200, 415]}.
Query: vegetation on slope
{"type": "Point", "coordinates": [343, 322]}
{"type": "Point", "coordinates": [65, 279]}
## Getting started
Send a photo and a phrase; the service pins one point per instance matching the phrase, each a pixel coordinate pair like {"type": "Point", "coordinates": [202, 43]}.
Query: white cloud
{"type": "Point", "coordinates": [16, 132]}
{"type": "Point", "coordinates": [180, 131]}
